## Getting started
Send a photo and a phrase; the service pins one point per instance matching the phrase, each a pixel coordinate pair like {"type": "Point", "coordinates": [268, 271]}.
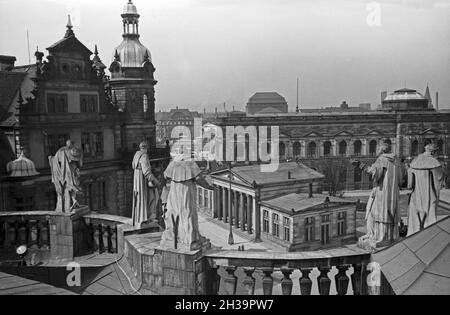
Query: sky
{"type": "Point", "coordinates": [211, 52]}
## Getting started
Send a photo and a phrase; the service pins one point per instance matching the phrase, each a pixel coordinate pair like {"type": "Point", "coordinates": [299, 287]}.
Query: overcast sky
{"type": "Point", "coordinates": [207, 52]}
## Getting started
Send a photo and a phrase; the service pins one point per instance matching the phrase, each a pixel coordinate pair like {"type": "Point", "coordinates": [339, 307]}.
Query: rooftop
{"type": "Point", "coordinates": [267, 98]}
{"type": "Point", "coordinates": [419, 264]}
{"type": "Point", "coordinates": [296, 203]}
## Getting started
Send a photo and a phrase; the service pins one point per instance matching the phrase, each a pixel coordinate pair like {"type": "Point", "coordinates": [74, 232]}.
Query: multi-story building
{"type": "Point", "coordinates": [68, 96]}
{"type": "Point", "coordinates": [167, 121]}
{"type": "Point", "coordinates": [327, 141]}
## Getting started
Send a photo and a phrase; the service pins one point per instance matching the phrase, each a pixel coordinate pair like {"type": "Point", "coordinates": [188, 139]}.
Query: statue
{"type": "Point", "coordinates": [181, 218]}
{"type": "Point", "coordinates": [145, 188]}
{"type": "Point", "coordinates": [382, 212]}
{"type": "Point", "coordinates": [65, 168]}
{"type": "Point", "coordinates": [425, 179]}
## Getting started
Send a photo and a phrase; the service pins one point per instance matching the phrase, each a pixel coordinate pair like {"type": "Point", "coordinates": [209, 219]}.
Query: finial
{"type": "Point", "coordinates": [96, 50]}
{"type": "Point", "coordinates": [116, 56]}
{"type": "Point", "coordinates": [147, 56]}
{"type": "Point", "coordinates": [69, 22]}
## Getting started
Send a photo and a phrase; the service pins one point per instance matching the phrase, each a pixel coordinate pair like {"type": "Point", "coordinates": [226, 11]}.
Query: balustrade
{"type": "Point", "coordinates": [31, 230]}
{"type": "Point", "coordinates": [338, 271]}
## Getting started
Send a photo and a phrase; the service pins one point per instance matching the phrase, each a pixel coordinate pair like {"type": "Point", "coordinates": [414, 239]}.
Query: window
{"type": "Point", "coordinates": [88, 104]}
{"type": "Point", "coordinates": [282, 150]}
{"type": "Point", "coordinates": [327, 148]}
{"type": "Point", "coordinates": [24, 203]}
{"type": "Point", "coordinates": [357, 148]}
{"type": "Point", "coordinates": [440, 144]}
{"type": "Point", "coordinates": [266, 221]}
{"type": "Point", "coordinates": [297, 149]}
{"type": "Point", "coordinates": [325, 230]}
{"type": "Point", "coordinates": [312, 150]}
{"type": "Point", "coordinates": [92, 144]}
{"type": "Point", "coordinates": [95, 195]}
{"type": "Point", "coordinates": [309, 229]}
{"type": "Point", "coordinates": [373, 147]}
{"type": "Point", "coordinates": [57, 103]}
{"type": "Point", "coordinates": [343, 148]}
{"type": "Point", "coordinates": [287, 229]}
{"type": "Point", "coordinates": [54, 142]}
{"type": "Point", "coordinates": [276, 225]}
{"type": "Point", "coordinates": [357, 175]}
{"type": "Point", "coordinates": [145, 103]}
{"type": "Point", "coordinates": [342, 223]}
{"type": "Point", "coordinates": [50, 199]}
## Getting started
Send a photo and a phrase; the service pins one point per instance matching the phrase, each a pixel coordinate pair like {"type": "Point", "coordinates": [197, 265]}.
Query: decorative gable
{"type": "Point", "coordinates": [343, 134]}
{"type": "Point", "coordinates": [313, 134]}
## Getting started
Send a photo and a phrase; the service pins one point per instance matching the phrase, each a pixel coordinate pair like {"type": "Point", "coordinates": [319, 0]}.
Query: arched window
{"type": "Point", "coordinates": [373, 147]}
{"type": "Point", "coordinates": [440, 145]}
{"type": "Point", "coordinates": [427, 142]}
{"type": "Point", "coordinates": [357, 148]}
{"type": "Point", "coordinates": [312, 149]}
{"type": "Point", "coordinates": [297, 149]}
{"type": "Point", "coordinates": [415, 148]}
{"type": "Point", "coordinates": [327, 148]}
{"type": "Point", "coordinates": [343, 148]}
{"type": "Point", "coordinates": [282, 150]}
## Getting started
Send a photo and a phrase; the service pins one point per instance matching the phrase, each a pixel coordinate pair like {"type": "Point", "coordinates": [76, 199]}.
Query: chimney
{"type": "Point", "coordinates": [311, 190]}
{"type": "Point", "coordinates": [7, 63]}
{"type": "Point", "coordinates": [437, 101]}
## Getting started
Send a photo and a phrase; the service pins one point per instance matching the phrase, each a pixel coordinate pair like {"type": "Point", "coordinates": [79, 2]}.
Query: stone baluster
{"type": "Point", "coordinates": [11, 235]}
{"type": "Point", "coordinates": [96, 244]}
{"type": "Point", "coordinates": [22, 235]}
{"type": "Point", "coordinates": [113, 240]}
{"type": "Point", "coordinates": [43, 235]}
{"type": "Point", "coordinates": [305, 282]}
{"type": "Point", "coordinates": [356, 279]}
{"type": "Point", "coordinates": [230, 281]}
{"type": "Point", "coordinates": [286, 283]}
{"type": "Point", "coordinates": [267, 281]}
{"type": "Point", "coordinates": [249, 281]}
{"type": "Point", "coordinates": [105, 236]}
{"type": "Point", "coordinates": [33, 234]}
{"type": "Point", "coordinates": [324, 281]}
{"type": "Point", "coordinates": [342, 280]}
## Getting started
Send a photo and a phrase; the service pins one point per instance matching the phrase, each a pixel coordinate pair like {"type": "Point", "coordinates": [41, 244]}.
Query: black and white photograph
{"type": "Point", "coordinates": [224, 153]}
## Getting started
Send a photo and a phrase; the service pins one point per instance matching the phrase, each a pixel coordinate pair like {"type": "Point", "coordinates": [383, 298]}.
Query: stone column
{"type": "Point", "coordinates": [303, 149]}
{"type": "Point", "coordinates": [249, 214]}
{"type": "Point", "coordinates": [257, 219]}
{"type": "Point", "coordinates": [365, 148]}
{"type": "Point", "coordinates": [236, 209]}
{"type": "Point", "coordinates": [225, 205]}
{"type": "Point", "coordinates": [291, 150]}
{"type": "Point", "coordinates": [320, 148]}
{"type": "Point", "coordinates": [349, 148]}
{"type": "Point", "coordinates": [334, 147]}
{"type": "Point", "coordinates": [241, 212]}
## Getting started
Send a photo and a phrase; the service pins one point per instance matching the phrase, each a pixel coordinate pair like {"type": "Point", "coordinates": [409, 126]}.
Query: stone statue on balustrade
{"type": "Point", "coordinates": [181, 218]}
{"type": "Point", "coordinates": [65, 168]}
{"type": "Point", "coordinates": [145, 188]}
{"type": "Point", "coordinates": [382, 212]}
{"type": "Point", "coordinates": [425, 179]}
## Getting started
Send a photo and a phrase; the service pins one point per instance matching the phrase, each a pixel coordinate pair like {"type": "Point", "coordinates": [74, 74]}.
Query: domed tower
{"type": "Point", "coordinates": [133, 83]}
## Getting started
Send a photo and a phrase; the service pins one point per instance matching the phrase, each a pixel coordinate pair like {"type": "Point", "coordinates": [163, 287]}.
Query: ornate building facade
{"type": "Point", "coordinates": [332, 139]}
{"type": "Point", "coordinates": [69, 96]}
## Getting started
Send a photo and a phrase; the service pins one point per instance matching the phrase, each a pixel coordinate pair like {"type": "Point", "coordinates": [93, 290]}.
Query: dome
{"type": "Point", "coordinates": [405, 94]}
{"type": "Point", "coordinates": [22, 167]}
{"type": "Point", "coordinates": [130, 9]}
{"type": "Point", "coordinates": [132, 53]}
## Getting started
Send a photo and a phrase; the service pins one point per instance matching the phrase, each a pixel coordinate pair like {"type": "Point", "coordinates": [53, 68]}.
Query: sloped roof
{"type": "Point", "coordinates": [70, 43]}
{"type": "Point", "coordinates": [6, 153]}
{"type": "Point", "coordinates": [419, 264]}
{"type": "Point", "coordinates": [299, 172]}
{"type": "Point", "coordinates": [302, 202]}
{"type": "Point", "coordinates": [10, 82]}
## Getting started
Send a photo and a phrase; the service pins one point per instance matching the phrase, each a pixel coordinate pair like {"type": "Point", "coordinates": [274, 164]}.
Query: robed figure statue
{"type": "Point", "coordinates": [425, 179]}
{"type": "Point", "coordinates": [382, 212]}
{"type": "Point", "coordinates": [181, 218]}
{"type": "Point", "coordinates": [145, 191]}
{"type": "Point", "coordinates": [65, 168]}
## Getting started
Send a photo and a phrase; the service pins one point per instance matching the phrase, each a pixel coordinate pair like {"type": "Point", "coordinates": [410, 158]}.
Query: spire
{"type": "Point", "coordinates": [428, 97]}
{"type": "Point", "coordinates": [96, 50]}
{"type": "Point", "coordinates": [116, 56]}
{"type": "Point", "coordinates": [69, 26]}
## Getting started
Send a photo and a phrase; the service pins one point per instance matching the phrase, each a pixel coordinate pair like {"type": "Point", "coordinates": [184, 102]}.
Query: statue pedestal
{"type": "Point", "coordinates": [164, 270]}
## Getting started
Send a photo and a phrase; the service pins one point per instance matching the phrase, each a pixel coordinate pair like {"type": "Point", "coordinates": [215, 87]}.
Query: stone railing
{"type": "Point", "coordinates": [338, 271]}
{"type": "Point", "coordinates": [25, 228]}
{"type": "Point", "coordinates": [102, 230]}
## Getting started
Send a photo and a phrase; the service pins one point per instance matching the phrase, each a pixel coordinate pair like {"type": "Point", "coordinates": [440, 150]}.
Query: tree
{"type": "Point", "coordinates": [335, 171]}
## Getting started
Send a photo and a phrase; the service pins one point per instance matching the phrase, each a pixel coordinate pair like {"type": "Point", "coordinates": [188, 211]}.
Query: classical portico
{"type": "Point", "coordinates": [239, 191]}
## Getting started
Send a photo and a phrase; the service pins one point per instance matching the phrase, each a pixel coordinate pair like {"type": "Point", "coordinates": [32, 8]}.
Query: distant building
{"type": "Point", "coordinates": [167, 121]}
{"type": "Point", "coordinates": [407, 100]}
{"type": "Point", "coordinates": [266, 103]}
{"type": "Point", "coordinates": [250, 187]}
{"type": "Point", "coordinates": [303, 222]}
{"type": "Point", "coordinates": [343, 108]}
